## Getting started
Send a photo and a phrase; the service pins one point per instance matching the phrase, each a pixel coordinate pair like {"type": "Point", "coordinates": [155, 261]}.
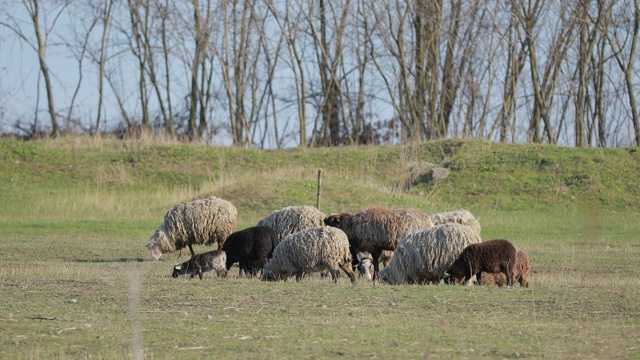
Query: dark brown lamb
{"type": "Point", "coordinates": [494, 256]}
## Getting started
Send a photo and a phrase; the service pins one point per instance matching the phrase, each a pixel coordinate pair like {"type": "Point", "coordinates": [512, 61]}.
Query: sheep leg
{"type": "Point", "coordinates": [347, 270]}
{"type": "Point", "coordinates": [376, 258]}
{"type": "Point", "coordinates": [198, 270]}
{"type": "Point", "coordinates": [241, 268]}
{"type": "Point", "coordinates": [265, 260]}
{"type": "Point", "coordinates": [334, 275]}
{"type": "Point", "coordinates": [299, 276]}
{"type": "Point", "coordinates": [190, 248]}
{"type": "Point", "coordinates": [507, 271]}
{"type": "Point", "coordinates": [466, 279]}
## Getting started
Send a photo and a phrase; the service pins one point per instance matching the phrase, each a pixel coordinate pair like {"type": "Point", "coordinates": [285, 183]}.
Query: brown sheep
{"type": "Point", "coordinates": [494, 256]}
{"type": "Point", "coordinates": [521, 273]}
{"type": "Point", "coordinates": [376, 229]}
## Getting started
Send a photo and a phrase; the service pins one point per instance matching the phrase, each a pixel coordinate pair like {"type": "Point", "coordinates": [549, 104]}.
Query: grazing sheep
{"type": "Point", "coordinates": [213, 260]}
{"type": "Point", "coordinates": [292, 219]}
{"type": "Point", "coordinates": [376, 229]}
{"type": "Point", "coordinates": [310, 250]}
{"type": "Point", "coordinates": [521, 273]}
{"type": "Point", "coordinates": [251, 248]}
{"type": "Point", "coordinates": [203, 221]}
{"type": "Point", "coordinates": [460, 216]}
{"type": "Point", "coordinates": [492, 256]}
{"type": "Point", "coordinates": [423, 257]}
{"type": "Point", "coordinates": [363, 262]}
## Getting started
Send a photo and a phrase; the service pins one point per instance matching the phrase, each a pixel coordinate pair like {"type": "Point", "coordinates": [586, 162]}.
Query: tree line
{"type": "Point", "coordinates": [274, 74]}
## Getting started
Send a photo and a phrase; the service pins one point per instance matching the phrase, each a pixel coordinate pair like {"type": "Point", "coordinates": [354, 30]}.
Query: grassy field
{"type": "Point", "coordinates": [76, 281]}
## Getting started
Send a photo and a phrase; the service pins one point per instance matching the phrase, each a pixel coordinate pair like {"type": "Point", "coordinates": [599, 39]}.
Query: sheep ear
{"type": "Point", "coordinates": [178, 267]}
{"type": "Point", "coordinates": [446, 274]}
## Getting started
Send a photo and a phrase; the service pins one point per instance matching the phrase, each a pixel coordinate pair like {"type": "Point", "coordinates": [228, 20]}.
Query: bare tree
{"type": "Point", "coordinates": [328, 40]}
{"type": "Point", "coordinates": [598, 61]}
{"type": "Point", "coordinates": [79, 47]}
{"type": "Point", "coordinates": [390, 26]}
{"type": "Point", "coordinates": [622, 37]}
{"type": "Point", "coordinates": [201, 25]}
{"type": "Point", "coordinates": [360, 48]}
{"type": "Point", "coordinates": [101, 58]}
{"type": "Point", "coordinates": [288, 19]}
{"type": "Point", "coordinates": [163, 12]}
{"type": "Point", "coordinates": [516, 55]}
{"type": "Point", "coordinates": [42, 30]}
{"type": "Point", "coordinates": [235, 60]}
{"type": "Point", "coordinates": [271, 50]}
{"type": "Point", "coordinates": [139, 19]}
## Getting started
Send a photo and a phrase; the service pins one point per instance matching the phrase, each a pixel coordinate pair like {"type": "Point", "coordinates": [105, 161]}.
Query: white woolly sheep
{"type": "Point", "coordinates": [521, 273]}
{"type": "Point", "coordinates": [310, 250]}
{"type": "Point", "coordinates": [492, 256]}
{"type": "Point", "coordinates": [376, 229]}
{"type": "Point", "coordinates": [199, 222]}
{"type": "Point", "coordinates": [292, 219]}
{"type": "Point", "coordinates": [423, 257]}
{"type": "Point", "coordinates": [460, 216]}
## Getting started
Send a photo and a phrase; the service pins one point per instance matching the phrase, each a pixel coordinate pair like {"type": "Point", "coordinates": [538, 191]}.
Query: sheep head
{"type": "Point", "coordinates": [452, 278]}
{"type": "Point", "coordinates": [159, 244]}
{"type": "Point", "coordinates": [178, 270]}
{"type": "Point", "coordinates": [336, 220]}
{"type": "Point", "coordinates": [365, 265]}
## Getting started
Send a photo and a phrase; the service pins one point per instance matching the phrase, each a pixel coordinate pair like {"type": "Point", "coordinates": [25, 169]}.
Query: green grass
{"type": "Point", "coordinates": [75, 215]}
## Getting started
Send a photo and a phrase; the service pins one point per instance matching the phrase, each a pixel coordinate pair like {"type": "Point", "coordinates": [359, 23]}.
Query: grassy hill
{"type": "Point", "coordinates": [481, 174]}
{"type": "Point", "coordinates": [75, 214]}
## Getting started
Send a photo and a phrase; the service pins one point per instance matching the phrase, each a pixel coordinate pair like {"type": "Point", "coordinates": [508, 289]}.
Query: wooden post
{"type": "Point", "coordinates": [319, 186]}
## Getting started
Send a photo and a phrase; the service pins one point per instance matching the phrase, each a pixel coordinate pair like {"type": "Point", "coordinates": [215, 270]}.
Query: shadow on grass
{"type": "Point", "coordinates": [121, 260]}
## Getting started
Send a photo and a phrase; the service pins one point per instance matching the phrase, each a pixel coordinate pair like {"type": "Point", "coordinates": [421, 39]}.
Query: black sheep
{"type": "Point", "coordinates": [494, 256]}
{"type": "Point", "coordinates": [251, 248]}
{"type": "Point", "coordinates": [212, 260]}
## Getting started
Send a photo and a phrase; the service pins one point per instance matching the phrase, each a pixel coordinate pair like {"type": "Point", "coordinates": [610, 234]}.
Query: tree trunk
{"type": "Point", "coordinates": [44, 68]}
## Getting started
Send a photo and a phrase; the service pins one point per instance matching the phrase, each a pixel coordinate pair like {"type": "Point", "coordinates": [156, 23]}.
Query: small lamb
{"type": "Point", "coordinates": [213, 260]}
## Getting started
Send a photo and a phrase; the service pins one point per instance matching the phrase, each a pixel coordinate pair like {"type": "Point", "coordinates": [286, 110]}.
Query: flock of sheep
{"type": "Point", "coordinates": [415, 248]}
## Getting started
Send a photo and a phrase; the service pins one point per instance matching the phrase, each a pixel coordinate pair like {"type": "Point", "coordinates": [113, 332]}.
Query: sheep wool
{"type": "Point", "coordinates": [376, 229]}
{"type": "Point", "coordinates": [292, 219]}
{"type": "Point", "coordinates": [199, 222]}
{"type": "Point", "coordinates": [423, 257]}
{"type": "Point", "coordinates": [379, 227]}
{"type": "Point", "coordinates": [460, 216]}
{"type": "Point", "coordinates": [521, 272]}
{"type": "Point", "coordinates": [311, 250]}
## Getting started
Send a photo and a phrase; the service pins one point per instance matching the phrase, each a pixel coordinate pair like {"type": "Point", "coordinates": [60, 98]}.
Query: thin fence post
{"type": "Point", "coordinates": [319, 187]}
